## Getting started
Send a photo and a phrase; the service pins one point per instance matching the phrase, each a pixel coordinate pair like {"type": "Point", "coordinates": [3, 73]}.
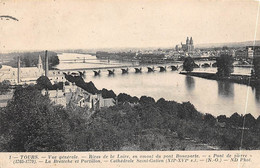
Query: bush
{"type": "Point", "coordinates": [44, 82]}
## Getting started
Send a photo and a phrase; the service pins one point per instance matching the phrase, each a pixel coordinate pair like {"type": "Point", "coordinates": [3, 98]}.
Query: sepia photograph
{"type": "Point", "coordinates": [147, 75]}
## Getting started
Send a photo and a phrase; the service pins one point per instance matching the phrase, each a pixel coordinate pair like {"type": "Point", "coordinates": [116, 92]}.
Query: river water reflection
{"type": "Point", "coordinates": [208, 96]}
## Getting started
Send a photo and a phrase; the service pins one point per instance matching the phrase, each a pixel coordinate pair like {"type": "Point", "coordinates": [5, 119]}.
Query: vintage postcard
{"type": "Point", "coordinates": [130, 83]}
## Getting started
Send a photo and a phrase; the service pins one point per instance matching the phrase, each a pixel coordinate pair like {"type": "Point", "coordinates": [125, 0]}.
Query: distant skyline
{"type": "Point", "coordinates": [64, 24]}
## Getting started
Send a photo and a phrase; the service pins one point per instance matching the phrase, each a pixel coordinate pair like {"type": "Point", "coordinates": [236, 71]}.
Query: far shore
{"type": "Point", "coordinates": [235, 78]}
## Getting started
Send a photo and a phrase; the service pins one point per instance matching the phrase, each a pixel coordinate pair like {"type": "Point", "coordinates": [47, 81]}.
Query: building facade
{"type": "Point", "coordinates": [29, 75]}
{"type": "Point", "coordinates": [253, 51]}
{"type": "Point", "coordinates": [241, 53]}
{"type": "Point", "coordinates": [74, 95]}
{"type": "Point", "coordinates": [20, 74]}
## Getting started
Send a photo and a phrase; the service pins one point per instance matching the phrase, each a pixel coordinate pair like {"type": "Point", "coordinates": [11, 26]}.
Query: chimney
{"type": "Point", "coordinates": [18, 70]}
{"type": "Point", "coordinates": [46, 64]}
{"type": "Point", "coordinates": [39, 65]}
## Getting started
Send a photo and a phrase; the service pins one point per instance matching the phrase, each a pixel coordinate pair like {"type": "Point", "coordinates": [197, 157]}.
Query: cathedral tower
{"type": "Point", "coordinates": [191, 41]}
{"type": "Point", "coordinates": [191, 44]}
{"type": "Point", "coordinates": [187, 41]}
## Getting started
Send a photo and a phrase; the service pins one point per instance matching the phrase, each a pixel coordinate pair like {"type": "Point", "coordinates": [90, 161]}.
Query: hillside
{"type": "Point", "coordinates": [232, 44]}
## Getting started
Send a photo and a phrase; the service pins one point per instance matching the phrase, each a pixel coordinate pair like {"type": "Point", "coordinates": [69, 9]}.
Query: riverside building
{"type": "Point", "coordinates": [29, 75]}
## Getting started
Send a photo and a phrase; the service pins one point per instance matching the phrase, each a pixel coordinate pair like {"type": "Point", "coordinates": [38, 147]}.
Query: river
{"type": "Point", "coordinates": [208, 96]}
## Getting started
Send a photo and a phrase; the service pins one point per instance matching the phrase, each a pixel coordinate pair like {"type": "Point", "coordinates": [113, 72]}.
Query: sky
{"type": "Point", "coordinates": [88, 24]}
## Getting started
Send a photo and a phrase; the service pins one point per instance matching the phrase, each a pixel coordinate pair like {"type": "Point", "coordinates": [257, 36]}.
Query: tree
{"type": "Point", "coordinates": [222, 118]}
{"type": "Point", "coordinates": [225, 65]}
{"type": "Point", "coordinates": [134, 99]}
{"type": "Point", "coordinates": [187, 111]}
{"type": "Point", "coordinates": [79, 81]}
{"type": "Point", "coordinates": [44, 82]}
{"type": "Point", "coordinates": [258, 122]}
{"type": "Point", "coordinates": [58, 86]}
{"type": "Point", "coordinates": [236, 120]}
{"type": "Point", "coordinates": [150, 117]}
{"type": "Point", "coordinates": [256, 63]}
{"type": "Point", "coordinates": [32, 123]}
{"type": "Point", "coordinates": [188, 64]}
{"type": "Point", "coordinates": [108, 93]}
{"type": "Point", "coordinates": [144, 100]}
{"type": "Point", "coordinates": [102, 136]}
{"type": "Point", "coordinates": [4, 87]}
{"type": "Point", "coordinates": [122, 97]}
{"type": "Point", "coordinates": [249, 120]}
{"type": "Point", "coordinates": [209, 119]}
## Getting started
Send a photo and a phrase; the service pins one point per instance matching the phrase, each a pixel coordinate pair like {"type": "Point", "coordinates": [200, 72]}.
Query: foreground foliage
{"type": "Point", "coordinates": [31, 122]}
